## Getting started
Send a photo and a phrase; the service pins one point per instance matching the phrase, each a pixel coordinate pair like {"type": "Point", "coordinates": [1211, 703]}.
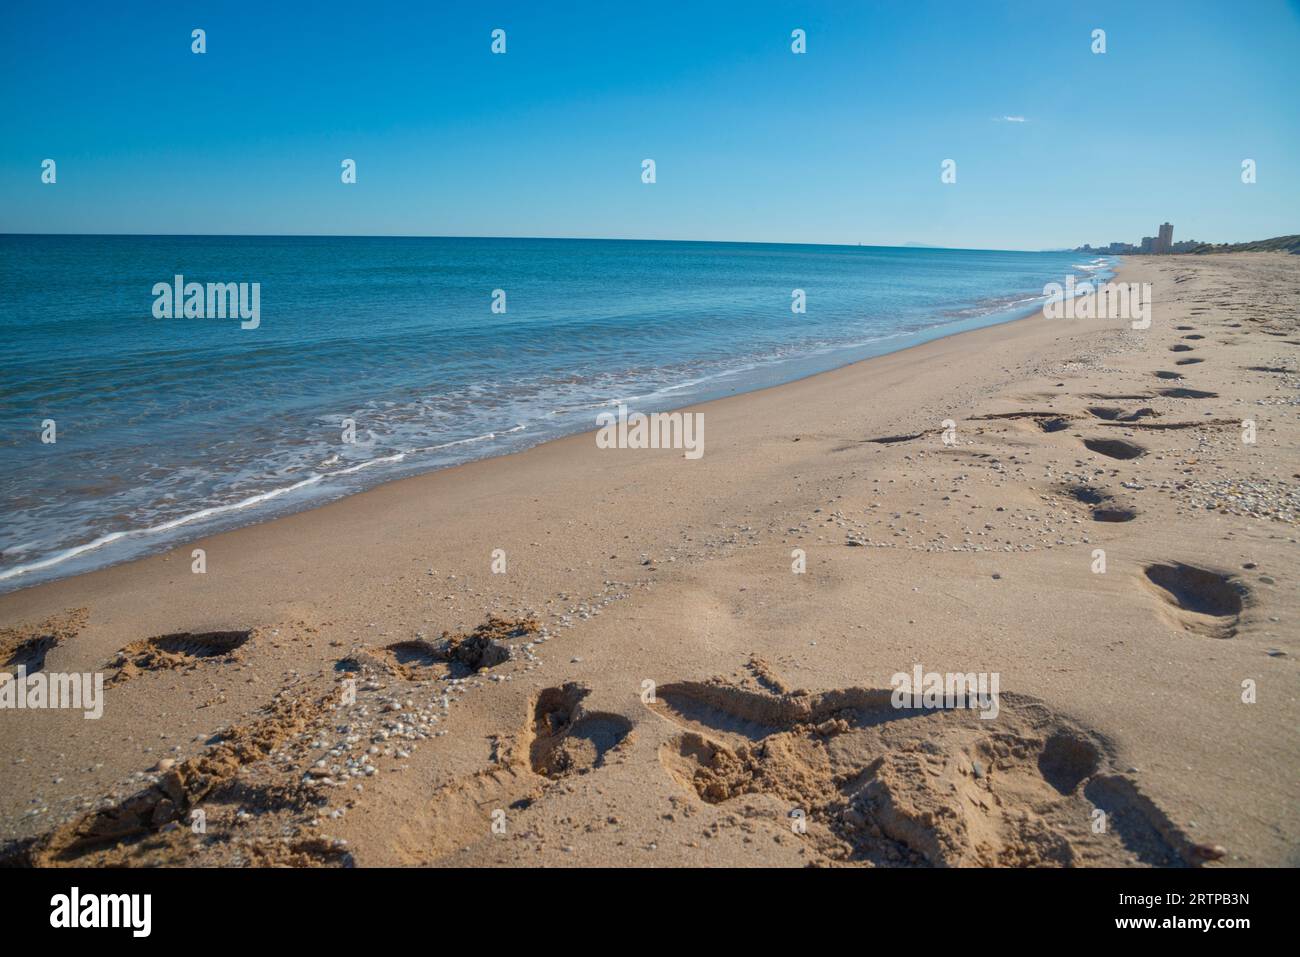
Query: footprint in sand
{"type": "Point", "coordinates": [1053, 425]}
{"type": "Point", "coordinates": [451, 656]}
{"type": "Point", "coordinates": [880, 785]}
{"type": "Point", "coordinates": [26, 646]}
{"type": "Point", "coordinates": [1046, 421]}
{"type": "Point", "coordinates": [561, 740]}
{"type": "Point", "coordinates": [1114, 513]}
{"type": "Point", "coordinates": [891, 439]}
{"type": "Point", "coordinates": [1199, 600]}
{"type": "Point", "coordinates": [1113, 414]}
{"type": "Point", "coordinates": [123, 831]}
{"type": "Point", "coordinates": [183, 650]}
{"type": "Point", "coordinates": [568, 740]}
{"type": "Point", "coordinates": [1104, 508]}
{"type": "Point", "coordinates": [1115, 448]}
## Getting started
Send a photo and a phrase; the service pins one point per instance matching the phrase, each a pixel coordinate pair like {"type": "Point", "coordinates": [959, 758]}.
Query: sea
{"type": "Point", "coordinates": [128, 426]}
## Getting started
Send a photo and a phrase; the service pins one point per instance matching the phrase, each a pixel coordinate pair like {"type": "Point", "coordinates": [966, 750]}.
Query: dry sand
{"type": "Point", "coordinates": [658, 687]}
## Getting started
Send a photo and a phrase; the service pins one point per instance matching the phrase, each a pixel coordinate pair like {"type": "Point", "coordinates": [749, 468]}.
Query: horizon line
{"type": "Point", "coordinates": [615, 239]}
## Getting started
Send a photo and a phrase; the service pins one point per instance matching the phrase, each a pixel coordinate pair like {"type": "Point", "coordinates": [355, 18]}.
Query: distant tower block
{"type": "Point", "coordinates": [1165, 241]}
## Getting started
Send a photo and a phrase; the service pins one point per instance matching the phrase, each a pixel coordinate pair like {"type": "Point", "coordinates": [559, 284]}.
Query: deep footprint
{"type": "Point", "coordinates": [880, 785]}
{"type": "Point", "coordinates": [1200, 600]}
{"type": "Point", "coordinates": [562, 739]}
{"type": "Point", "coordinates": [455, 655]}
{"type": "Point", "coordinates": [566, 738]}
{"type": "Point", "coordinates": [184, 650]}
{"type": "Point", "coordinates": [27, 646]}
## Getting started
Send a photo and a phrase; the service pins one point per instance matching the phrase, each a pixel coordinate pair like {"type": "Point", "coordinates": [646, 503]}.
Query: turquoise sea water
{"type": "Point", "coordinates": [170, 428]}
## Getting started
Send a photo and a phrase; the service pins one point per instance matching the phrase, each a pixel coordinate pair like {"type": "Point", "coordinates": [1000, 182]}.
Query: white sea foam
{"type": "Point", "coordinates": [293, 459]}
{"type": "Point", "coordinates": [251, 501]}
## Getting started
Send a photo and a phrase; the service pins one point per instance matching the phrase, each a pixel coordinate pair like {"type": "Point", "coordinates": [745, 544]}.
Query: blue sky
{"type": "Point", "coordinates": [840, 145]}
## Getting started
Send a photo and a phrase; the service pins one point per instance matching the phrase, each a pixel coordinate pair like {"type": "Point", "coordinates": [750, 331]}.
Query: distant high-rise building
{"type": "Point", "coordinates": [1165, 241]}
{"type": "Point", "coordinates": [1148, 243]}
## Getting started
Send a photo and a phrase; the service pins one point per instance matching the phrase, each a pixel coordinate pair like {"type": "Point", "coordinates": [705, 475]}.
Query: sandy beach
{"type": "Point", "coordinates": [581, 656]}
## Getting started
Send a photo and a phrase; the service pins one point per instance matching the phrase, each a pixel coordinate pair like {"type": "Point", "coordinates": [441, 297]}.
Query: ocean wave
{"type": "Point", "coordinates": [215, 511]}
{"type": "Point", "coordinates": [196, 435]}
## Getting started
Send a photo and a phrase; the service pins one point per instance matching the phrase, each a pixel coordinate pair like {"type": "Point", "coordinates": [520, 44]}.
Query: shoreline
{"type": "Point", "coordinates": [643, 566]}
{"type": "Point", "coordinates": [343, 496]}
{"type": "Point", "coordinates": [45, 570]}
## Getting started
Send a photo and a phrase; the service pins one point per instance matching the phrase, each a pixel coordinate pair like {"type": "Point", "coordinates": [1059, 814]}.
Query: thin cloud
{"type": "Point", "coordinates": [1009, 119]}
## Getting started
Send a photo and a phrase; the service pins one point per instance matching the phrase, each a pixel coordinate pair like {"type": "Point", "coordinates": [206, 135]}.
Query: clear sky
{"type": "Point", "coordinates": [842, 144]}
